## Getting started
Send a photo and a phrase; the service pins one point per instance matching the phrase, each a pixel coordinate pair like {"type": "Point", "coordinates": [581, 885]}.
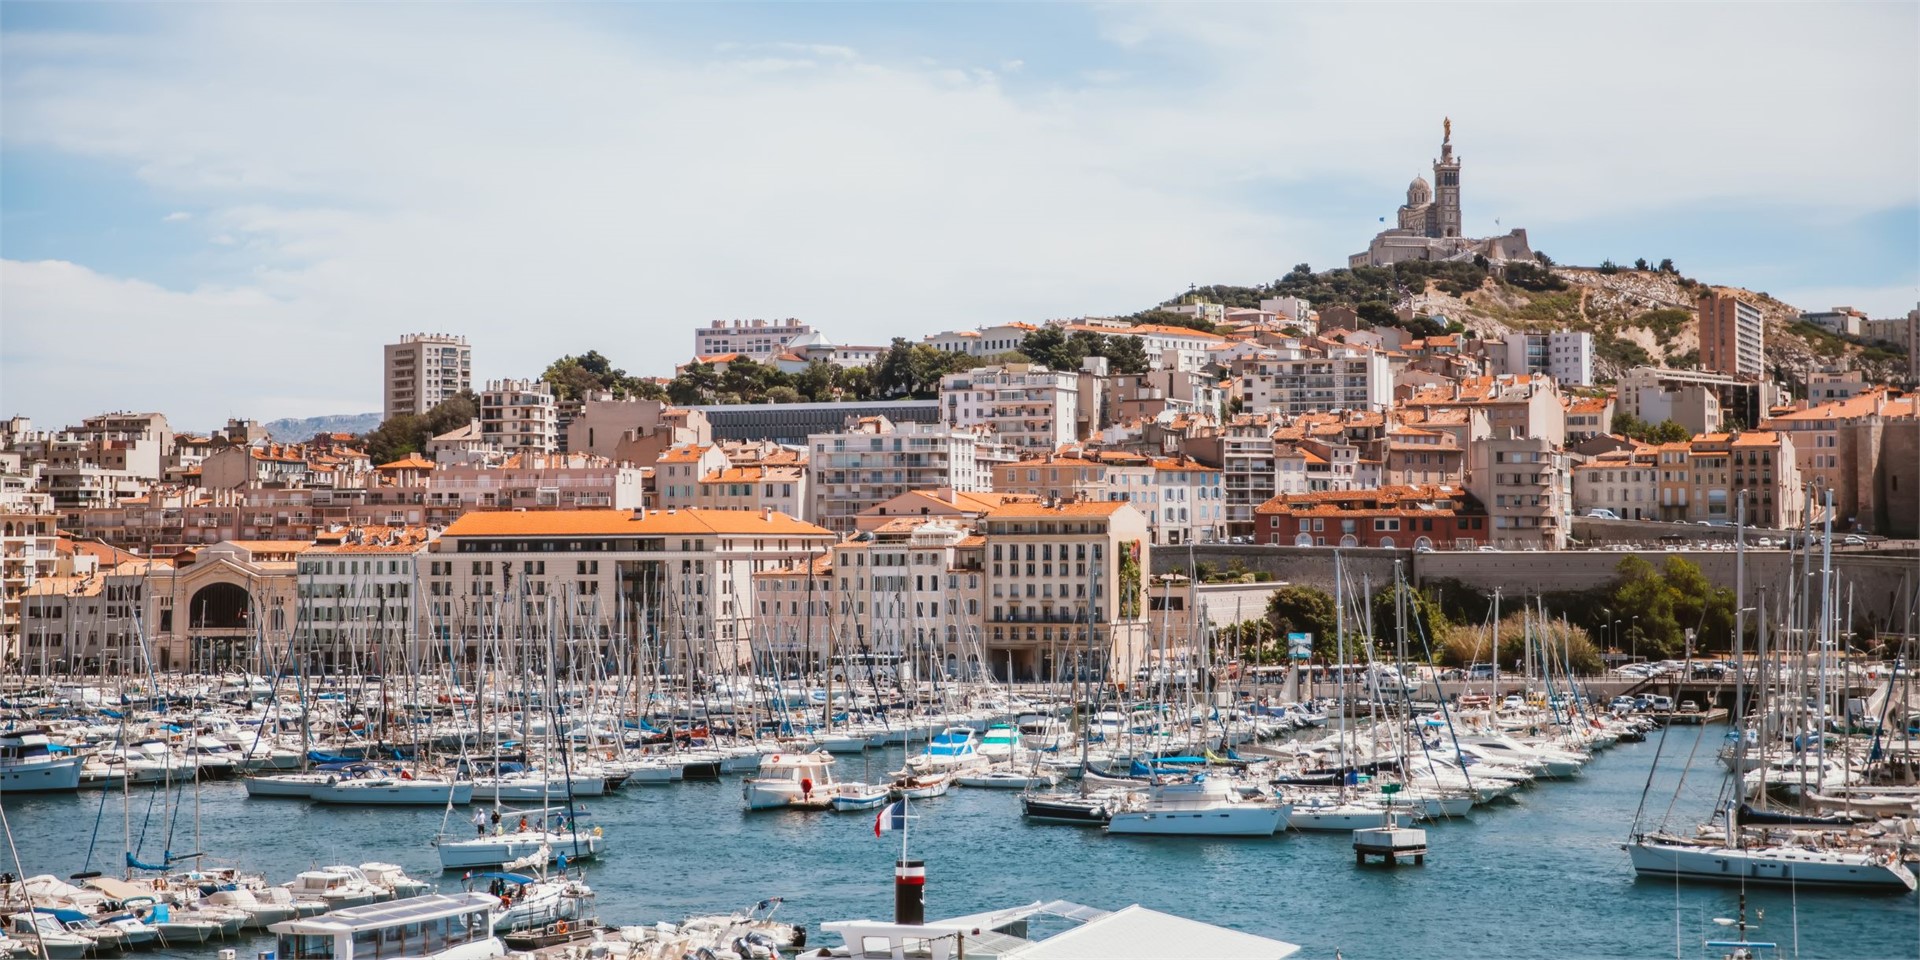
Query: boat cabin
{"type": "Point", "coordinates": [433, 927]}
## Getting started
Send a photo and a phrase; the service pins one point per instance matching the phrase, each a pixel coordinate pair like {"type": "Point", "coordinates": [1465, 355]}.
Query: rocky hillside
{"type": "Point", "coordinates": [1636, 316]}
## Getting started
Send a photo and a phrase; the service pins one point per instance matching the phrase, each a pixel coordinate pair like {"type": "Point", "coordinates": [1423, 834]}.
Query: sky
{"type": "Point", "coordinates": [224, 210]}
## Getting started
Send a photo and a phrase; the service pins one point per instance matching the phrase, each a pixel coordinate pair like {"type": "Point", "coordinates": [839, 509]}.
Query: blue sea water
{"type": "Point", "coordinates": [1544, 877]}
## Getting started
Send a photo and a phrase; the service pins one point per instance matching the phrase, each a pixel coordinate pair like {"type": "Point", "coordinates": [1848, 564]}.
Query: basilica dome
{"type": "Point", "coordinates": [1418, 192]}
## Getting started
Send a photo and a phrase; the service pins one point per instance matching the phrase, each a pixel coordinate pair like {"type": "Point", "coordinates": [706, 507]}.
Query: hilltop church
{"type": "Point", "coordinates": [1429, 223]}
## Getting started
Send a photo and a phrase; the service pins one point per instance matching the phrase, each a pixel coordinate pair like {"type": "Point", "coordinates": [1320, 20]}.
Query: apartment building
{"type": "Point", "coordinates": [1065, 586]}
{"type": "Point", "coordinates": [1759, 464]}
{"type": "Point", "coordinates": [88, 618]}
{"type": "Point", "coordinates": [677, 474]}
{"type": "Point", "coordinates": [1523, 484]}
{"type": "Point", "coordinates": [1732, 336]}
{"type": "Point", "coordinates": [1564, 355]}
{"type": "Point", "coordinates": [358, 602]}
{"type": "Point", "coordinates": [1026, 406]}
{"type": "Point", "coordinates": [1247, 469]}
{"type": "Point", "coordinates": [29, 552]}
{"type": "Point", "coordinates": [757, 339]}
{"type": "Point", "coordinates": [1588, 416]}
{"type": "Point", "coordinates": [520, 415]}
{"type": "Point", "coordinates": [1844, 447]}
{"type": "Point", "coordinates": [1523, 404]}
{"type": "Point", "coordinates": [872, 460]}
{"type": "Point", "coordinates": [1625, 481]}
{"type": "Point", "coordinates": [536, 481]}
{"type": "Point", "coordinates": [984, 342]}
{"type": "Point", "coordinates": [1299, 378]}
{"type": "Point", "coordinates": [1842, 320]}
{"type": "Point", "coordinates": [779, 487]}
{"type": "Point", "coordinates": [667, 587]}
{"type": "Point", "coordinates": [1134, 396]}
{"type": "Point", "coordinates": [1183, 500]}
{"type": "Point", "coordinates": [1413, 456]}
{"type": "Point", "coordinates": [424, 369]}
{"type": "Point", "coordinates": [913, 589]}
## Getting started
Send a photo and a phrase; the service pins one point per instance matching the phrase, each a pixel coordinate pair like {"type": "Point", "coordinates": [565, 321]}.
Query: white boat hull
{"type": "Point", "coordinates": [1238, 820]}
{"type": "Point", "coordinates": [1785, 866]}
{"type": "Point", "coordinates": [496, 850]}
{"type": "Point", "coordinates": [396, 793]}
{"type": "Point", "coordinates": [41, 776]}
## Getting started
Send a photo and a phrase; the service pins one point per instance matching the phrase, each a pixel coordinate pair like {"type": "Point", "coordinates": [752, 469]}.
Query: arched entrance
{"type": "Point", "coordinates": [220, 606]}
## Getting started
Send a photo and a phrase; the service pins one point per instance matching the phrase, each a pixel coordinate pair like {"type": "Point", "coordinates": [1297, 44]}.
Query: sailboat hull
{"type": "Point", "coordinates": [1802, 867]}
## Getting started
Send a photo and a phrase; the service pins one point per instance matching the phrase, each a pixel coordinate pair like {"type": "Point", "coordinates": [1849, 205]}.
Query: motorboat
{"type": "Point", "coordinates": [31, 763]}
{"type": "Point", "coordinates": [921, 786]}
{"type": "Point", "coordinates": [1201, 805]}
{"type": "Point", "coordinates": [801, 781]}
{"type": "Point", "coordinates": [849, 796]}
{"type": "Point", "coordinates": [952, 749]}
{"type": "Point", "coordinates": [334, 888]}
{"type": "Point", "coordinates": [432, 927]}
{"type": "Point", "coordinates": [43, 936]}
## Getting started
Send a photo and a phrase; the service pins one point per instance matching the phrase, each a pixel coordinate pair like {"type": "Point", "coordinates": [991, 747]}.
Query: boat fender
{"type": "Point", "coordinates": [560, 927]}
{"type": "Point", "coordinates": [598, 832]}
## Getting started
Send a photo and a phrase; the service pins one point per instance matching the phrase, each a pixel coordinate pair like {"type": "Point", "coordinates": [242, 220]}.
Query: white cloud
{"type": "Point", "coordinates": [176, 217]}
{"type": "Point", "coordinates": [547, 185]}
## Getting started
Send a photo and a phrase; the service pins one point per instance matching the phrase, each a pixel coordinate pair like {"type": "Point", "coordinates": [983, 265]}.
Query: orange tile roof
{"type": "Point", "coordinates": [688, 453]}
{"type": "Point", "coordinates": [412, 461]}
{"type": "Point", "coordinates": [507, 523]}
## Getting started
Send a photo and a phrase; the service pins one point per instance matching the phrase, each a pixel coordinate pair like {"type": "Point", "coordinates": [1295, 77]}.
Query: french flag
{"type": "Point", "coordinates": [893, 816]}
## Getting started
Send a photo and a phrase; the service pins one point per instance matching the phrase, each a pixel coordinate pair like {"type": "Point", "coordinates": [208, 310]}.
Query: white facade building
{"type": "Point", "coordinates": [1028, 407]}
{"type": "Point", "coordinates": [873, 460]}
{"type": "Point", "coordinates": [1564, 355]}
{"type": "Point", "coordinates": [759, 339]}
{"type": "Point", "coordinates": [1297, 378]}
{"type": "Point", "coordinates": [520, 416]}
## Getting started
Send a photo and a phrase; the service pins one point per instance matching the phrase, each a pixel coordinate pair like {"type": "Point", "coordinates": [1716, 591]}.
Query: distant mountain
{"type": "Point", "coordinates": [292, 430]}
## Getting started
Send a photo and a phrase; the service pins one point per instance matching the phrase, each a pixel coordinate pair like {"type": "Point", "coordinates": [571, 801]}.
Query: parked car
{"type": "Point", "coordinates": [1855, 540]}
{"type": "Point", "coordinates": [1602, 513]}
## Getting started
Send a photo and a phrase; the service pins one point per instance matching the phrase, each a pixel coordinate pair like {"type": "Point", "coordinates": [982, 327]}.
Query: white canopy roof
{"type": "Point", "coordinates": [1137, 933]}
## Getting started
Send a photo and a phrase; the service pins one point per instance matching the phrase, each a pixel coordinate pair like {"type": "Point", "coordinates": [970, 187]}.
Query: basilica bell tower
{"type": "Point", "coordinates": [1445, 219]}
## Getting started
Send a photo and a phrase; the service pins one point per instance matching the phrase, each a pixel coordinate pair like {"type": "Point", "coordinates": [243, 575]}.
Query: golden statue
{"type": "Point", "coordinates": [1446, 128]}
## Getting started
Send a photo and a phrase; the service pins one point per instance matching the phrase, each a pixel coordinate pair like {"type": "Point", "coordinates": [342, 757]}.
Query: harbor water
{"type": "Point", "coordinates": [1542, 877]}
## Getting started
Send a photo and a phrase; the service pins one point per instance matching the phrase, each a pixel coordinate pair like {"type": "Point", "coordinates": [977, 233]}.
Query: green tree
{"type": "Point", "coordinates": [398, 436]}
{"type": "Point", "coordinates": [1377, 313]}
{"type": "Point", "coordinates": [1668, 432]}
{"type": "Point", "coordinates": [1050, 347]}
{"type": "Point", "coordinates": [1126, 355]}
{"type": "Point", "coordinates": [1666, 265]}
{"type": "Point", "coordinates": [783, 394]}
{"type": "Point", "coordinates": [1669, 601]}
{"type": "Point", "coordinates": [1640, 264]}
{"type": "Point", "coordinates": [1303, 609]}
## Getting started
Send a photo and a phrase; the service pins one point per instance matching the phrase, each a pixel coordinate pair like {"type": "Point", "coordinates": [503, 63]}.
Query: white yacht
{"type": "Point", "coordinates": [46, 938]}
{"type": "Point", "coordinates": [31, 763]}
{"type": "Point", "coordinates": [433, 927]}
{"type": "Point", "coordinates": [951, 750]}
{"type": "Point", "coordinates": [791, 780]}
{"type": "Point", "coordinates": [333, 888]}
{"type": "Point", "coordinates": [1661, 856]}
{"type": "Point", "coordinates": [1201, 806]}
